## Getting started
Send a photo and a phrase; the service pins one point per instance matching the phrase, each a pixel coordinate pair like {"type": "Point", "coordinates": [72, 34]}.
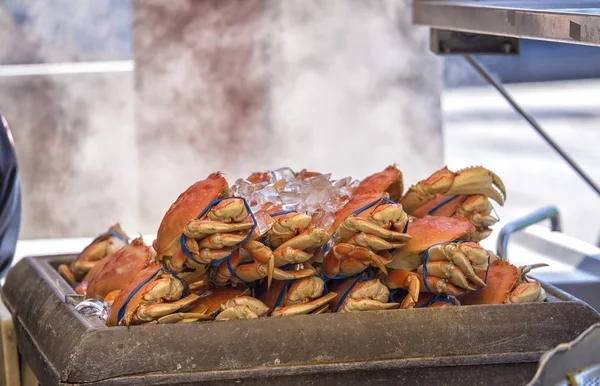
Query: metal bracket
{"type": "Point", "coordinates": [550, 212]}
{"type": "Point", "coordinates": [480, 68]}
{"type": "Point", "coordinates": [456, 42]}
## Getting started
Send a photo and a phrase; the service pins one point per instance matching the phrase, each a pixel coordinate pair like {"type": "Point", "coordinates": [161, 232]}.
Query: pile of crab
{"type": "Point", "coordinates": [283, 243]}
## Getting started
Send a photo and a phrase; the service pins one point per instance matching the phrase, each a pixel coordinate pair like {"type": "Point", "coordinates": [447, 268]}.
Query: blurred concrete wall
{"type": "Point", "coordinates": [339, 86]}
{"type": "Point", "coordinates": [347, 87]}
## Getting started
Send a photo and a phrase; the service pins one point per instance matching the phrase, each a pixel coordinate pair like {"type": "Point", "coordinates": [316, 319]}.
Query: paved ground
{"type": "Point", "coordinates": [481, 128]}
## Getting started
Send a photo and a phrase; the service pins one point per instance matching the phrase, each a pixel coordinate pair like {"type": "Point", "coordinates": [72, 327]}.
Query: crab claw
{"type": "Point", "coordinates": [352, 225]}
{"type": "Point", "coordinates": [478, 180]}
{"type": "Point", "coordinates": [447, 270]}
{"type": "Point", "coordinates": [348, 251]}
{"type": "Point", "coordinates": [242, 307]}
{"type": "Point", "coordinates": [407, 280]}
{"type": "Point", "coordinates": [368, 295]}
{"type": "Point", "coordinates": [468, 181]}
{"type": "Point", "coordinates": [304, 308]}
{"type": "Point", "coordinates": [263, 254]}
{"type": "Point", "coordinates": [528, 292]}
{"type": "Point", "coordinates": [439, 285]}
{"type": "Point", "coordinates": [229, 210]}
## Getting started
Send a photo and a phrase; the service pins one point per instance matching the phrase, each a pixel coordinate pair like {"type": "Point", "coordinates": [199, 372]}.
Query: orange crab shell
{"type": "Point", "coordinates": [390, 181]}
{"type": "Point", "coordinates": [502, 277]}
{"type": "Point", "coordinates": [187, 207]}
{"type": "Point", "coordinates": [117, 269]}
{"type": "Point", "coordinates": [213, 299]}
{"type": "Point", "coordinates": [432, 230]}
{"type": "Point", "coordinates": [355, 203]}
{"type": "Point", "coordinates": [305, 174]}
{"type": "Point", "coordinates": [340, 287]}
{"type": "Point", "coordinates": [127, 289]}
{"type": "Point", "coordinates": [269, 297]}
{"type": "Point", "coordinates": [258, 177]}
{"type": "Point", "coordinates": [448, 209]}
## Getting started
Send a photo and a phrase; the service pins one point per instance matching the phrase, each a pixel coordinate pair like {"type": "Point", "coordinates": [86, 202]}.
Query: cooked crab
{"type": "Point", "coordinates": [151, 295]}
{"type": "Point", "coordinates": [118, 269]}
{"type": "Point", "coordinates": [361, 294]}
{"type": "Point", "coordinates": [464, 193]}
{"type": "Point", "coordinates": [105, 244]}
{"type": "Point", "coordinates": [297, 297]}
{"type": "Point", "coordinates": [364, 232]}
{"type": "Point", "coordinates": [507, 284]}
{"type": "Point", "coordinates": [435, 261]}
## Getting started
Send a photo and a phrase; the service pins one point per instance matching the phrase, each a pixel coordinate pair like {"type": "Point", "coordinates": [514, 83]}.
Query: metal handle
{"type": "Point", "coordinates": [550, 212]}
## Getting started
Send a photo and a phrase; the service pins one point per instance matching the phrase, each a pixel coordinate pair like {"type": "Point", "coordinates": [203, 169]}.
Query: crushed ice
{"type": "Point", "coordinates": [317, 195]}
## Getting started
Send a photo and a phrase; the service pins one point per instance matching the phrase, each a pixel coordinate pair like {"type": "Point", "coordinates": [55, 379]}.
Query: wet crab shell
{"type": "Point", "coordinates": [117, 269]}
{"type": "Point", "coordinates": [389, 180]}
{"type": "Point", "coordinates": [136, 295]}
{"type": "Point", "coordinates": [426, 232]}
{"type": "Point", "coordinates": [187, 207]}
{"type": "Point", "coordinates": [213, 299]}
{"type": "Point", "coordinates": [354, 204]}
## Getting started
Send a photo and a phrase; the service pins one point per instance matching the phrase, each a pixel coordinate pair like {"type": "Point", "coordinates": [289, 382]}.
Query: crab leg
{"type": "Point", "coordinates": [478, 180]}
{"type": "Point", "coordinates": [290, 255]}
{"type": "Point", "coordinates": [372, 242]}
{"type": "Point", "coordinates": [447, 270]}
{"type": "Point", "coordinates": [262, 254]}
{"type": "Point", "coordinates": [220, 240]}
{"type": "Point", "coordinates": [458, 256]}
{"type": "Point", "coordinates": [529, 291]}
{"type": "Point", "coordinates": [370, 295]}
{"type": "Point", "coordinates": [201, 228]}
{"type": "Point", "coordinates": [469, 181]}
{"type": "Point", "coordinates": [146, 313]}
{"type": "Point", "coordinates": [256, 271]}
{"type": "Point", "coordinates": [286, 226]}
{"type": "Point", "coordinates": [407, 280]}
{"type": "Point", "coordinates": [439, 285]}
{"type": "Point", "coordinates": [183, 317]}
{"type": "Point", "coordinates": [311, 238]}
{"type": "Point", "coordinates": [242, 307]}
{"type": "Point", "coordinates": [230, 210]}
{"type": "Point", "coordinates": [304, 308]}
{"type": "Point", "coordinates": [353, 224]}
{"type": "Point", "coordinates": [344, 250]}
{"type": "Point", "coordinates": [279, 274]}
{"type": "Point", "coordinates": [387, 215]}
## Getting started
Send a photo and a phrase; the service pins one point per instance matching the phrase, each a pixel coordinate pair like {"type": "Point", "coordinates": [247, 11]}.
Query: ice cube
{"type": "Point", "coordinates": [263, 221]}
{"type": "Point", "coordinates": [296, 186]}
{"type": "Point", "coordinates": [242, 188]}
{"type": "Point", "coordinates": [343, 182]}
{"type": "Point", "coordinates": [266, 194]}
{"type": "Point", "coordinates": [91, 307]}
{"type": "Point", "coordinates": [319, 181]}
{"type": "Point", "coordinates": [291, 200]}
{"type": "Point", "coordinates": [317, 198]}
{"type": "Point", "coordinates": [322, 219]}
{"type": "Point", "coordinates": [286, 174]}
{"type": "Point", "coordinates": [336, 202]}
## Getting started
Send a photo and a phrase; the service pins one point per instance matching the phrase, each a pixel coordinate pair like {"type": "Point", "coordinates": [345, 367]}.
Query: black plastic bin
{"type": "Point", "coordinates": [474, 345]}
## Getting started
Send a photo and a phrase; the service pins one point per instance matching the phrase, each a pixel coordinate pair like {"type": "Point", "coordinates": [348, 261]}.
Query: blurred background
{"type": "Point", "coordinates": [117, 106]}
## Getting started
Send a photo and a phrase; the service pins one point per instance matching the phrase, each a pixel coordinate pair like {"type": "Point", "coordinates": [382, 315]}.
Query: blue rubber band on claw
{"type": "Point", "coordinates": [121, 312]}
{"type": "Point", "coordinates": [282, 213]}
{"type": "Point", "coordinates": [183, 237]}
{"type": "Point", "coordinates": [329, 244]}
{"type": "Point", "coordinates": [440, 204]}
{"type": "Point", "coordinates": [345, 295]}
{"type": "Point", "coordinates": [426, 256]}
